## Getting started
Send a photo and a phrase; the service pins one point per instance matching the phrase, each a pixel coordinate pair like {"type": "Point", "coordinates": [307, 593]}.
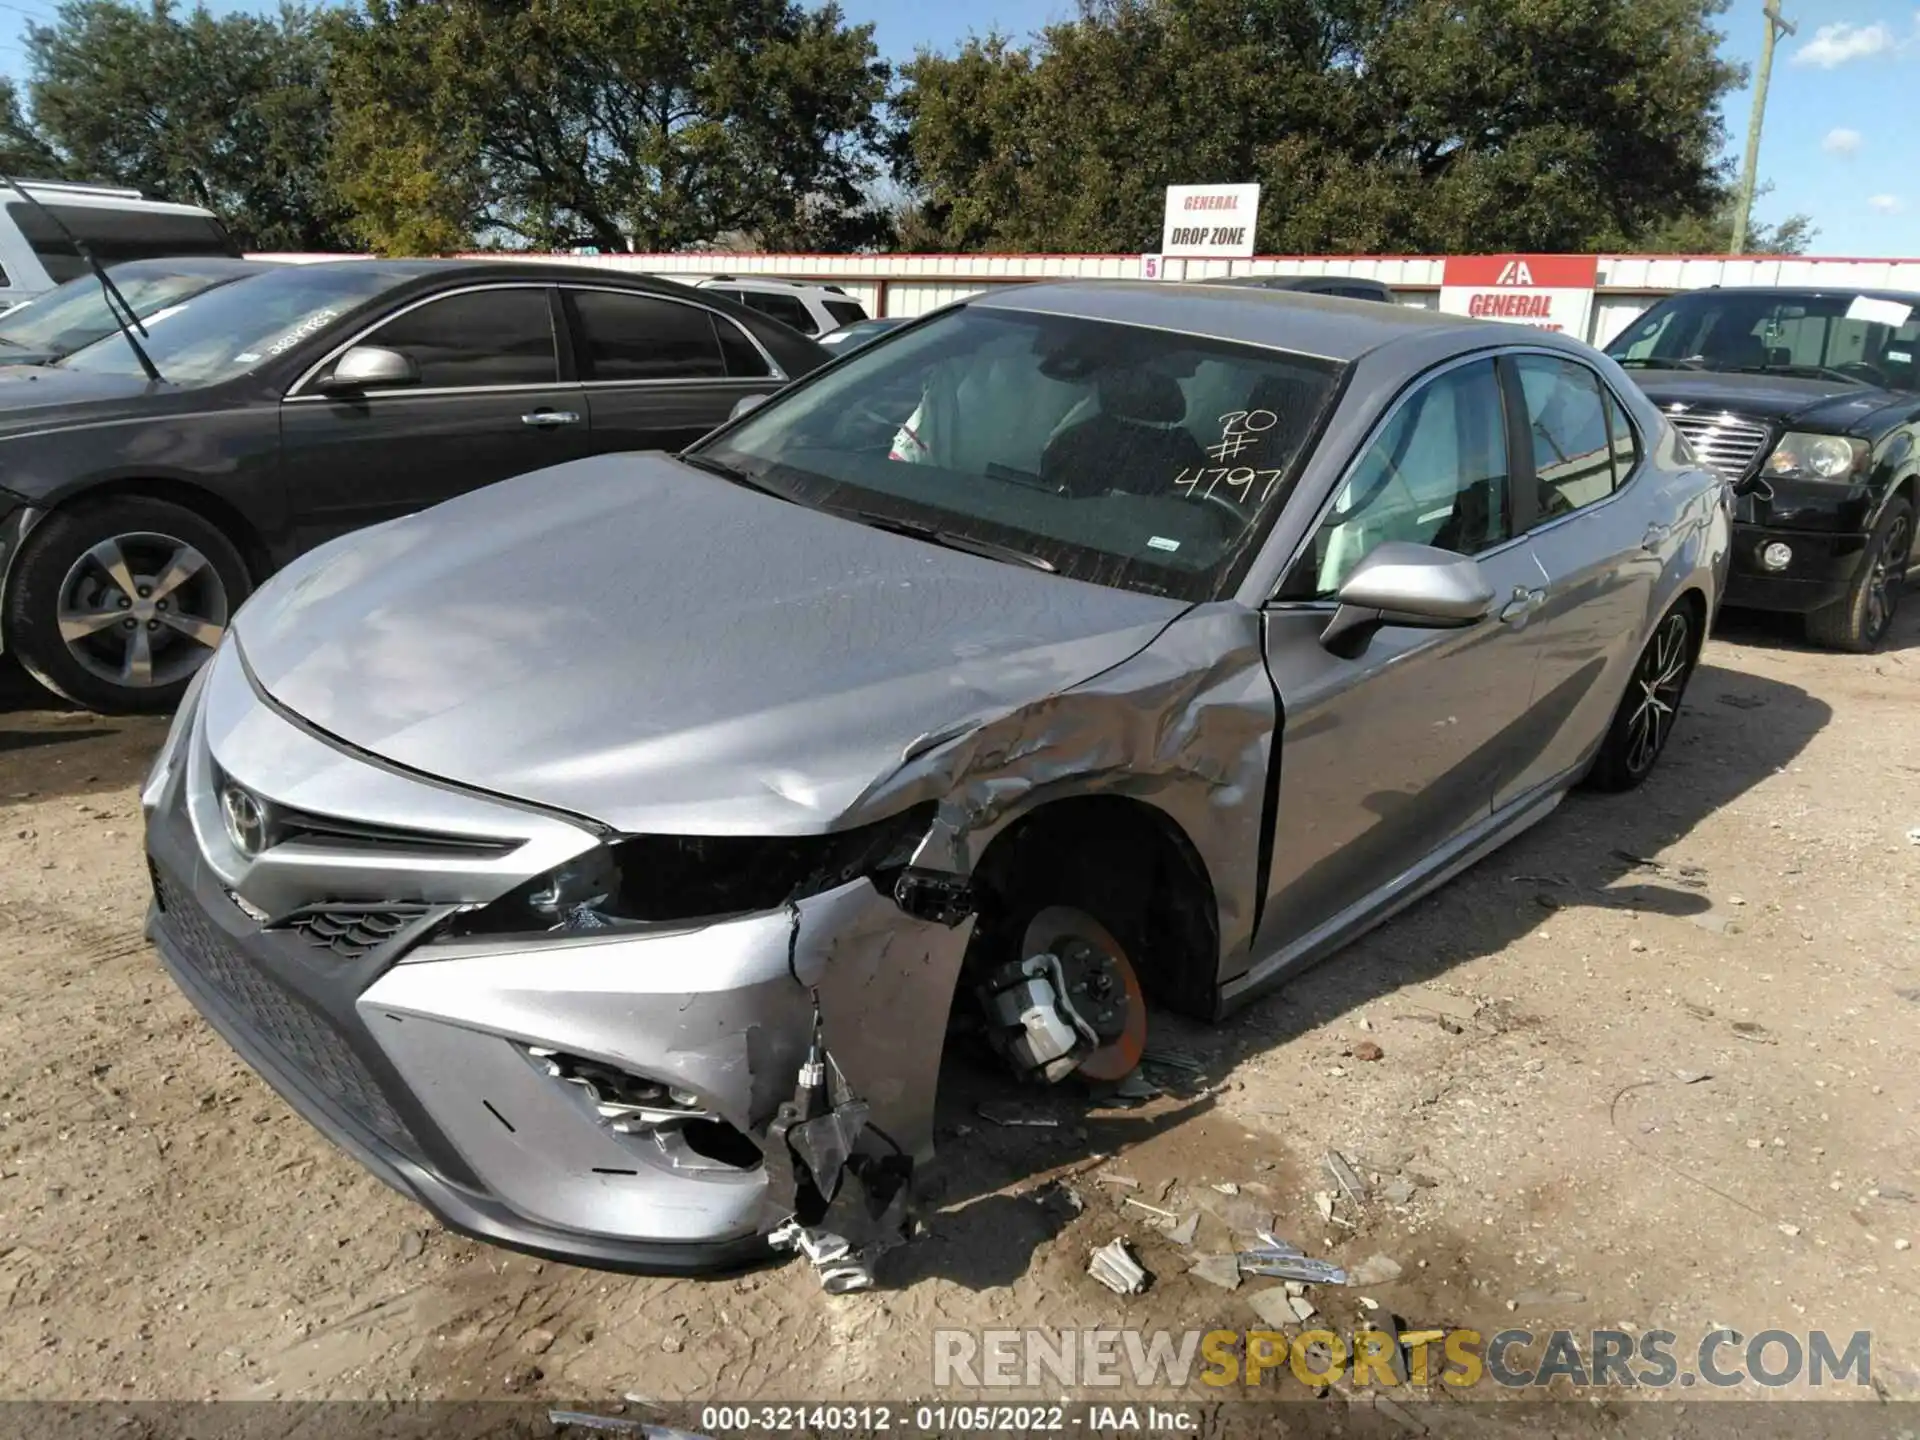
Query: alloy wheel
{"type": "Point", "coordinates": [1889, 573]}
{"type": "Point", "coordinates": [142, 610]}
{"type": "Point", "coordinates": [1658, 682]}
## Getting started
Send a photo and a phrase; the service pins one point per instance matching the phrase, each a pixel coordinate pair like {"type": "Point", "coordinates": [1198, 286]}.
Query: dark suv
{"type": "Point", "coordinates": [1808, 402]}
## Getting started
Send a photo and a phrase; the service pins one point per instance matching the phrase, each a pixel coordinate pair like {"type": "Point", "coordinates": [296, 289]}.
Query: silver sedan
{"type": "Point", "coordinates": [600, 857]}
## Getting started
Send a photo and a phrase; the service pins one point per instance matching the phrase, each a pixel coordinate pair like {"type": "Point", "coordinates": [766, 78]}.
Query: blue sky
{"type": "Point", "coordinates": [1842, 140]}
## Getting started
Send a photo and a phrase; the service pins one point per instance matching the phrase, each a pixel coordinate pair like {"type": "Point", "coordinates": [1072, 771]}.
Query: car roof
{"type": "Point", "coordinates": [404, 270]}
{"type": "Point", "coordinates": [1327, 326]}
{"type": "Point", "coordinates": [191, 265]}
{"type": "Point", "coordinates": [1804, 292]}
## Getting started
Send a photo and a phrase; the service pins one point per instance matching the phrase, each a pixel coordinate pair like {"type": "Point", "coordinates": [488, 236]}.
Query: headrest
{"type": "Point", "coordinates": [1150, 397]}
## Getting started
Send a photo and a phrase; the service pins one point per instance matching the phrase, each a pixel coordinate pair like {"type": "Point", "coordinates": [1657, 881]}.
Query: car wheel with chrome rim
{"type": "Point", "coordinates": [1860, 621]}
{"type": "Point", "coordinates": [115, 605]}
{"type": "Point", "coordinates": [1645, 719]}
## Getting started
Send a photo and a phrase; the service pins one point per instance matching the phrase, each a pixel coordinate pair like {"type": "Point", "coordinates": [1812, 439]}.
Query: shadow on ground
{"type": "Point", "coordinates": [1735, 730]}
{"type": "Point", "coordinates": [48, 748]}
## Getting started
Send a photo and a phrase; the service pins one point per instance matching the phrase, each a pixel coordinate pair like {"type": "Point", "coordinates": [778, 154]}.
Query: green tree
{"type": "Point", "coordinates": [1711, 232]}
{"type": "Point", "coordinates": [623, 124]}
{"type": "Point", "coordinates": [230, 112]}
{"type": "Point", "coordinates": [1372, 125]}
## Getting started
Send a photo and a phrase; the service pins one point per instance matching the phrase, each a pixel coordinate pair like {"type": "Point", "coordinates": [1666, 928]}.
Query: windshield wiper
{"type": "Point", "coordinates": [968, 544]}
{"type": "Point", "coordinates": [736, 475]}
{"type": "Point", "coordinates": [1817, 372]}
{"type": "Point", "coordinates": [123, 314]}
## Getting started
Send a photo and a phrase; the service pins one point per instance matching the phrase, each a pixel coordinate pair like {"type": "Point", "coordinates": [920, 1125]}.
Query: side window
{"type": "Point", "coordinates": [1567, 420]}
{"type": "Point", "coordinates": [483, 337]}
{"type": "Point", "coordinates": [743, 357]}
{"type": "Point", "coordinates": [638, 337]}
{"type": "Point", "coordinates": [787, 309]}
{"type": "Point", "coordinates": [1437, 475]}
{"type": "Point", "coordinates": [1626, 447]}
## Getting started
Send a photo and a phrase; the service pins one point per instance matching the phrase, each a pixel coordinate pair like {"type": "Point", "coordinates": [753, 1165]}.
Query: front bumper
{"type": "Point", "coordinates": [1821, 571]}
{"type": "Point", "coordinates": [412, 1056]}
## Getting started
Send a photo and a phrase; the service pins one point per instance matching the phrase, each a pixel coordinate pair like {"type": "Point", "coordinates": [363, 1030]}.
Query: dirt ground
{"type": "Point", "coordinates": [1651, 1066]}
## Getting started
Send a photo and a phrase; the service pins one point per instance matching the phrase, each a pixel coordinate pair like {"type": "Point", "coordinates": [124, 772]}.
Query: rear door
{"type": "Point", "coordinates": [1395, 754]}
{"type": "Point", "coordinates": [1601, 547]}
{"type": "Point", "coordinates": [490, 403]}
{"type": "Point", "coordinates": [658, 373]}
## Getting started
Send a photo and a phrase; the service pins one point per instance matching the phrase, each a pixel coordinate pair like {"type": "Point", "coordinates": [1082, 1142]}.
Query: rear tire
{"type": "Point", "coordinates": [115, 604]}
{"type": "Point", "coordinates": [1860, 621]}
{"type": "Point", "coordinates": [1645, 719]}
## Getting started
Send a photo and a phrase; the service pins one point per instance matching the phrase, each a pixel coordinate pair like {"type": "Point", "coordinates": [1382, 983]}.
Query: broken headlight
{"type": "Point", "coordinates": [668, 879]}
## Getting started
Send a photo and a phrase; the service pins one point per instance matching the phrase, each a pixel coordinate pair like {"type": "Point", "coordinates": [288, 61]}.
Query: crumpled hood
{"type": "Point", "coordinates": [633, 640]}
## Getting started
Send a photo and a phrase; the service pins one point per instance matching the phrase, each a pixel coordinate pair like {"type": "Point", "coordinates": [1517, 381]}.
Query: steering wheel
{"type": "Point", "coordinates": [1223, 507]}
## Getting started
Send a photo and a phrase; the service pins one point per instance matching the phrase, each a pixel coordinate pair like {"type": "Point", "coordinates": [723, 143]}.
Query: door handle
{"type": "Point", "coordinates": [1655, 537]}
{"type": "Point", "coordinates": [1523, 604]}
{"type": "Point", "coordinates": [548, 419]}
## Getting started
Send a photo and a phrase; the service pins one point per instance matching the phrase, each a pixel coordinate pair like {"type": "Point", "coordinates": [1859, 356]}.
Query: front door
{"type": "Point", "coordinates": [1388, 757]}
{"type": "Point", "coordinates": [489, 404]}
{"type": "Point", "coordinates": [659, 373]}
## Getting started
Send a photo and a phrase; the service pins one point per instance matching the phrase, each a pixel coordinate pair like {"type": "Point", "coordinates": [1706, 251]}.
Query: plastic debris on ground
{"type": "Point", "coordinates": [1273, 1307]}
{"type": "Point", "coordinates": [1183, 1233]}
{"type": "Point", "coordinates": [1221, 1270]}
{"type": "Point", "coordinates": [832, 1257]}
{"type": "Point", "coordinates": [1113, 1266]}
{"type": "Point", "coordinates": [1346, 1177]}
{"type": "Point", "coordinates": [1374, 1270]}
{"type": "Point", "coordinates": [1282, 1261]}
{"type": "Point", "coordinates": [1012, 1115]}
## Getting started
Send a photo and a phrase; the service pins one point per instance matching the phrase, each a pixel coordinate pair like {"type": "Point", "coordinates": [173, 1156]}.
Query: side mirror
{"type": "Point", "coordinates": [745, 404]}
{"type": "Point", "coordinates": [370, 367]}
{"type": "Point", "coordinates": [1404, 584]}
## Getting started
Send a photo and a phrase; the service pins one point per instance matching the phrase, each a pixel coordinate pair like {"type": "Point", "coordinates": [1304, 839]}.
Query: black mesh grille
{"type": "Point", "coordinates": [351, 931]}
{"type": "Point", "coordinates": [303, 1040]}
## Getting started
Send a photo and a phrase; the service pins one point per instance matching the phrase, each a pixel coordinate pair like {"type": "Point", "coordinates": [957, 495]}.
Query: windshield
{"type": "Point", "coordinates": [1860, 339]}
{"type": "Point", "coordinates": [228, 331]}
{"type": "Point", "coordinates": [76, 314]}
{"type": "Point", "coordinates": [1116, 454]}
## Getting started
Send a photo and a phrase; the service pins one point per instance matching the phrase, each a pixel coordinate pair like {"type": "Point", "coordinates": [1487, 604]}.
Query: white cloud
{"type": "Point", "coordinates": [1841, 142]}
{"type": "Point", "coordinates": [1834, 45]}
{"type": "Point", "coordinates": [1886, 204]}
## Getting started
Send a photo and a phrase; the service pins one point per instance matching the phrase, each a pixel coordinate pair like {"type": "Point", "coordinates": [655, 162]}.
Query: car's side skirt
{"type": "Point", "coordinates": [1382, 904]}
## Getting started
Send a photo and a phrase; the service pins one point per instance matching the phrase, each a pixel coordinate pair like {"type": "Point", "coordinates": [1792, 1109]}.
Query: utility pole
{"type": "Point", "coordinates": [1776, 27]}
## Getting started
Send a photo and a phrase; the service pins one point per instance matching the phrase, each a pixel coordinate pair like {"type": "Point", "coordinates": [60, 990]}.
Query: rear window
{"type": "Point", "coordinates": [845, 312]}
{"type": "Point", "coordinates": [114, 235]}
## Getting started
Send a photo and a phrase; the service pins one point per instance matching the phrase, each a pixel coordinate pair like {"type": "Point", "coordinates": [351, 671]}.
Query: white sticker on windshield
{"type": "Point", "coordinates": [301, 331]}
{"type": "Point", "coordinates": [1900, 357]}
{"type": "Point", "coordinates": [246, 357]}
{"type": "Point", "coordinates": [162, 313]}
{"type": "Point", "coordinates": [1879, 312]}
{"type": "Point", "coordinates": [1161, 542]}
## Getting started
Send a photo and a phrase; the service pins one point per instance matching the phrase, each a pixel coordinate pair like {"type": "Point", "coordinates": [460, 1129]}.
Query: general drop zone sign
{"type": "Point", "coordinates": [1549, 292]}
{"type": "Point", "coordinates": [1209, 221]}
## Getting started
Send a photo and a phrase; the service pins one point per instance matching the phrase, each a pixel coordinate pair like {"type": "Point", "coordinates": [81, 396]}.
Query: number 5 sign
{"type": "Point", "coordinates": [1152, 267]}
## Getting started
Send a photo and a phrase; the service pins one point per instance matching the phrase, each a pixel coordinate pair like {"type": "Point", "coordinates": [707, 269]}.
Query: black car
{"type": "Point", "coordinates": [74, 315]}
{"type": "Point", "coordinates": [1808, 403]}
{"type": "Point", "coordinates": [299, 404]}
{"type": "Point", "coordinates": [1346, 287]}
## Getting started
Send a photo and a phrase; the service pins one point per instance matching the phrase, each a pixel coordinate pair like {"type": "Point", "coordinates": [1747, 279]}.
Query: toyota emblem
{"type": "Point", "coordinates": [246, 820]}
